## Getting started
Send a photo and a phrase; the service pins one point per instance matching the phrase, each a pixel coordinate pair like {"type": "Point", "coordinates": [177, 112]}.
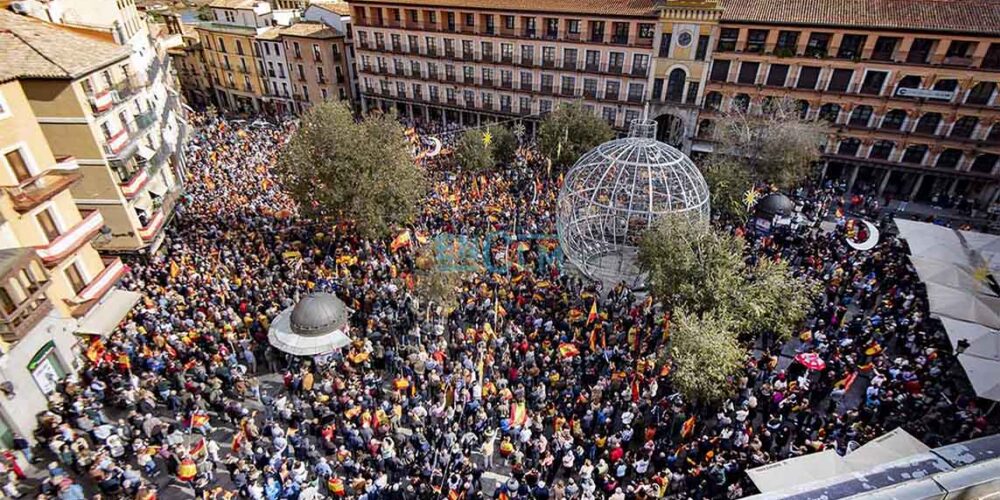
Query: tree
{"type": "Point", "coordinates": [476, 153]}
{"type": "Point", "coordinates": [728, 181]}
{"type": "Point", "coordinates": [361, 170]}
{"type": "Point", "coordinates": [689, 265]}
{"type": "Point", "coordinates": [570, 131]}
{"type": "Point", "coordinates": [433, 283]}
{"type": "Point", "coordinates": [472, 153]}
{"type": "Point", "coordinates": [706, 356]}
{"type": "Point", "coordinates": [702, 271]}
{"type": "Point", "coordinates": [775, 144]}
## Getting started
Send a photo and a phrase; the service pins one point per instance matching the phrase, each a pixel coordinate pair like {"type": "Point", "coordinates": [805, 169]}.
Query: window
{"type": "Point", "coordinates": [551, 27]}
{"type": "Point", "coordinates": [755, 41]}
{"type": "Point", "coordinates": [526, 81]}
{"type": "Point", "coordinates": [568, 85]}
{"type": "Point", "coordinates": [323, 93]}
{"type": "Point", "coordinates": [949, 158]}
{"type": "Point", "coordinates": [861, 116]}
{"type": "Point", "coordinates": [702, 51]}
{"type": "Point", "coordinates": [920, 51]}
{"type": "Point", "coordinates": [548, 56]}
{"type": "Point", "coordinates": [48, 224]}
{"type": "Point", "coordinates": [573, 26]}
{"type": "Point", "coordinates": [597, 31]}
{"type": "Point", "coordinates": [885, 48]}
{"type": "Point", "coordinates": [748, 73]}
{"type": "Point", "coordinates": [874, 80]}
{"type": "Point", "coordinates": [959, 49]}
{"type": "Point", "coordinates": [620, 33]}
{"type": "Point", "coordinates": [727, 39]}
{"type": "Point", "coordinates": [317, 56]}
{"type": "Point", "coordinates": [894, 120]}
{"type": "Point", "coordinates": [611, 90]}
{"type": "Point", "coordinates": [720, 70]}
{"type": "Point", "coordinates": [881, 150]}
{"type": "Point", "coordinates": [17, 164]}
{"type": "Point", "coordinates": [849, 147]}
{"type": "Point", "coordinates": [527, 54]}
{"type": "Point", "coordinates": [593, 60]}
{"type": "Point", "coordinates": [949, 85]}
{"type": "Point", "coordinates": [590, 88]}
{"type": "Point", "coordinates": [239, 48]}
{"type": "Point", "coordinates": [646, 30]}
{"type": "Point", "coordinates": [907, 82]}
{"type": "Point", "coordinates": [713, 100]}
{"type": "Point", "coordinates": [508, 22]}
{"type": "Point", "coordinates": [6, 302]}
{"type": "Point", "coordinates": [994, 136]}
{"type": "Point", "coordinates": [818, 45]}
{"type": "Point", "coordinates": [75, 277]}
{"type": "Point", "coordinates": [964, 127]}
{"type": "Point", "coordinates": [544, 106]}
{"type": "Point", "coordinates": [787, 43]}
{"type": "Point", "coordinates": [470, 20]}
{"type": "Point", "coordinates": [524, 104]}
{"type": "Point", "coordinates": [915, 154]}
{"type": "Point", "coordinates": [610, 115]}
{"type": "Point", "coordinates": [777, 75]}
{"type": "Point", "coordinates": [992, 58]}
{"type": "Point", "coordinates": [740, 103]}
{"type": "Point", "coordinates": [507, 52]}
{"type": "Point", "coordinates": [928, 124]}
{"type": "Point", "coordinates": [829, 112]}
{"type": "Point", "coordinates": [851, 46]}
{"type": "Point", "coordinates": [675, 85]}
{"type": "Point", "coordinates": [808, 76]}
{"type": "Point", "coordinates": [665, 40]}
{"type": "Point", "coordinates": [640, 64]}
{"type": "Point", "coordinates": [981, 93]}
{"type": "Point", "coordinates": [984, 163]}
{"type": "Point", "coordinates": [840, 80]}
{"type": "Point", "coordinates": [616, 61]}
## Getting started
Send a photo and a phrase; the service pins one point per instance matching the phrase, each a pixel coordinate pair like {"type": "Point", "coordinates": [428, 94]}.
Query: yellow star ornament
{"type": "Point", "coordinates": [981, 273]}
{"type": "Point", "coordinates": [487, 138]}
{"type": "Point", "coordinates": [750, 198]}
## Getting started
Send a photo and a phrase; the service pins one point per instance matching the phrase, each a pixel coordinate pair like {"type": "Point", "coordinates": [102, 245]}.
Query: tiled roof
{"type": "Point", "coordinates": [969, 16]}
{"type": "Point", "coordinates": [30, 48]}
{"type": "Point", "coordinates": [269, 34]}
{"type": "Point", "coordinates": [233, 4]}
{"type": "Point", "coordinates": [309, 29]}
{"type": "Point", "coordinates": [621, 8]}
{"type": "Point", "coordinates": [337, 7]}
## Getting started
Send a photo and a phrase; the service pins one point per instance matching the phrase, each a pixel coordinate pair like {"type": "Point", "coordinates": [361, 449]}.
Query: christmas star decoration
{"type": "Point", "coordinates": [981, 273]}
{"type": "Point", "coordinates": [487, 138]}
{"type": "Point", "coordinates": [750, 198]}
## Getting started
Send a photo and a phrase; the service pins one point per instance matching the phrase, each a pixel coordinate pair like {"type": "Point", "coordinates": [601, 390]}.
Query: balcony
{"type": "Point", "coordinates": [152, 228]}
{"type": "Point", "coordinates": [548, 63]}
{"type": "Point", "coordinates": [132, 185]}
{"type": "Point", "coordinates": [71, 241]}
{"type": "Point", "coordinates": [569, 65]}
{"type": "Point", "coordinates": [640, 71]}
{"type": "Point", "coordinates": [22, 317]}
{"type": "Point", "coordinates": [92, 294]}
{"type": "Point", "coordinates": [615, 69]}
{"type": "Point", "coordinates": [41, 188]}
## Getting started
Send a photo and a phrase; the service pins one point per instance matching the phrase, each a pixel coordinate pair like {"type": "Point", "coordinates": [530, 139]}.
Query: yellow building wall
{"type": "Point", "coordinates": [214, 55]}
{"type": "Point", "coordinates": [21, 129]}
{"type": "Point", "coordinates": [56, 98]}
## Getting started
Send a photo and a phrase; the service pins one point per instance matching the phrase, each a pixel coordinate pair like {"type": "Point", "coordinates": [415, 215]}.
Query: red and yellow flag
{"type": "Point", "coordinates": [688, 427]}
{"type": "Point", "coordinates": [174, 269]}
{"type": "Point", "coordinates": [592, 316]}
{"type": "Point", "coordinates": [568, 350]}
{"type": "Point", "coordinates": [518, 414]}
{"type": "Point", "coordinates": [187, 470]}
{"type": "Point", "coordinates": [401, 241]}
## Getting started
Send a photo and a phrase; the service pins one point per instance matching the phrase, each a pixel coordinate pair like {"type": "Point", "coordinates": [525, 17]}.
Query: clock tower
{"type": "Point", "coordinates": [688, 31]}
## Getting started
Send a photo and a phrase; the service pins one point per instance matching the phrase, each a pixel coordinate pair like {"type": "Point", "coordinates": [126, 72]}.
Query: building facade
{"type": "Point", "coordinates": [485, 61]}
{"type": "Point", "coordinates": [276, 74]}
{"type": "Point", "coordinates": [53, 283]}
{"type": "Point", "coordinates": [317, 63]}
{"type": "Point", "coordinates": [337, 15]}
{"type": "Point", "coordinates": [910, 93]}
{"type": "Point", "coordinates": [229, 45]}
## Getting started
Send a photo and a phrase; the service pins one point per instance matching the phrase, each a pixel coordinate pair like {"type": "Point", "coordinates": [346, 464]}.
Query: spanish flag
{"type": "Point", "coordinates": [237, 441]}
{"type": "Point", "coordinates": [198, 420]}
{"type": "Point", "coordinates": [568, 350]}
{"type": "Point", "coordinates": [592, 316]}
{"type": "Point", "coordinates": [198, 447]}
{"type": "Point", "coordinates": [187, 470]}
{"type": "Point", "coordinates": [593, 340]}
{"type": "Point", "coordinates": [401, 241]}
{"type": "Point", "coordinates": [846, 382]}
{"type": "Point", "coordinates": [335, 485]}
{"type": "Point", "coordinates": [688, 427]}
{"type": "Point", "coordinates": [174, 269]}
{"type": "Point", "coordinates": [95, 351]}
{"type": "Point", "coordinates": [518, 414]}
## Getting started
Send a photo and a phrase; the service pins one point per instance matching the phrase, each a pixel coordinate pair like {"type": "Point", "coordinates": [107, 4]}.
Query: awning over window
{"type": "Point", "coordinates": [145, 152]}
{"type": "Point", "coordinates": [106, 315]}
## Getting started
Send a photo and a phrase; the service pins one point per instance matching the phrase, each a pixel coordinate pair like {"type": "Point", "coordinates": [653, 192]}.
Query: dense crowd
{"type": "Point", "coordinates": [530, 374]}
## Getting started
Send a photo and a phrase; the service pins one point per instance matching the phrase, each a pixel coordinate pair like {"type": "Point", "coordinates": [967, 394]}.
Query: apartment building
{"type": "Point", "coordinates": [317, 63]}
{"type": "Point", "coordinates": [190, 65]}
{"type": "Point", "coordinates": [93, 105]}
{"type": "Point", "coordinates": [337, 15]}
{"type": "Point", "coordinates": [909, 88]}
{"type": "Point", "coordinates": [275, 74]}
{"type": "Point", "coordinates": [229, 46]}
{"type": "Point", "coordinates": [475, 61]}
{"type": "Point", "coordinates": [54, 286]}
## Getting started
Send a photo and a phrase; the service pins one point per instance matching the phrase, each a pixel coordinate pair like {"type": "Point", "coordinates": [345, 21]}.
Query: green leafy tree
{"type": "Point", "coordinates": [705, 355]}
{"type": "Point", "coordinates": [570, 131]}
{"type": "Point", "coordinates": [775, 143]}
{"type": "Point", "coordinates": [360, 170]}
{"type": "Point", "coordinates": [689, 265]}
{"type": "Point", "coordinates": [503, 145]}
{"type": "Point", "coordinates": [728, 181]}
{"type": "Point", "coordinates": [775, 300]}
{"type": "Point", "coordinates": [472, 153]}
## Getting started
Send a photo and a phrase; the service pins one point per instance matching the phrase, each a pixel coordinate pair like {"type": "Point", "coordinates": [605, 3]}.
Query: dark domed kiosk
{"type": "Point", "coordinates": [773, 210]}
{"type": "Point", "coordinates": [316, 325]}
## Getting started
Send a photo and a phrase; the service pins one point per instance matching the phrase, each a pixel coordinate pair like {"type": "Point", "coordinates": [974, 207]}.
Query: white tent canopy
{"type": "Point", "coordinates": [944, 273]}
{"type": "Point", "coordinates": [964, 305]}
{"type": "Point", "coordinates": [827, 464]}
{"type": "Point", "coordinates": [983, 341]}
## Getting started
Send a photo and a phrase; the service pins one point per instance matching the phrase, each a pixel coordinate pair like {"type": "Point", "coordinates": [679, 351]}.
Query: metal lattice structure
{"type": "Point", "coordinates": [615, 192]}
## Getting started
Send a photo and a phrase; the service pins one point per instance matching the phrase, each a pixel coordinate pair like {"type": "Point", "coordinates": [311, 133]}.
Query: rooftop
{"type": "Point", "coordinates": [965, 16]}
{"type": "Point", "coordinates": [30, 48]}
{"type": "Point", "coordinates": [336, 7]}
{"type": "Point", "coordinates": [311, 29]}
{"type": "Point", "coordinates": [227, 28]}
{"type": "Point", "coordinates": [616, 8]}
{"type": "Point", "coordinates": [233, 4]}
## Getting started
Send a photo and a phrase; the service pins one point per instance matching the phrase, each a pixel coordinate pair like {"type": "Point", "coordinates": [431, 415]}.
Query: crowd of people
{"type": "Point", "coordinates": [529, 382]}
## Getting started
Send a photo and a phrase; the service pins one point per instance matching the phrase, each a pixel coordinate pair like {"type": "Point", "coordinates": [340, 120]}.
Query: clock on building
{"type": "Point", "coordinates": [684, 39]}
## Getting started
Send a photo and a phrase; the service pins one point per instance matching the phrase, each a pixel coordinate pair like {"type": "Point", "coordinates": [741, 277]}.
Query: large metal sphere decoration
{"type": "Point", "coordinates": [615, 192]}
